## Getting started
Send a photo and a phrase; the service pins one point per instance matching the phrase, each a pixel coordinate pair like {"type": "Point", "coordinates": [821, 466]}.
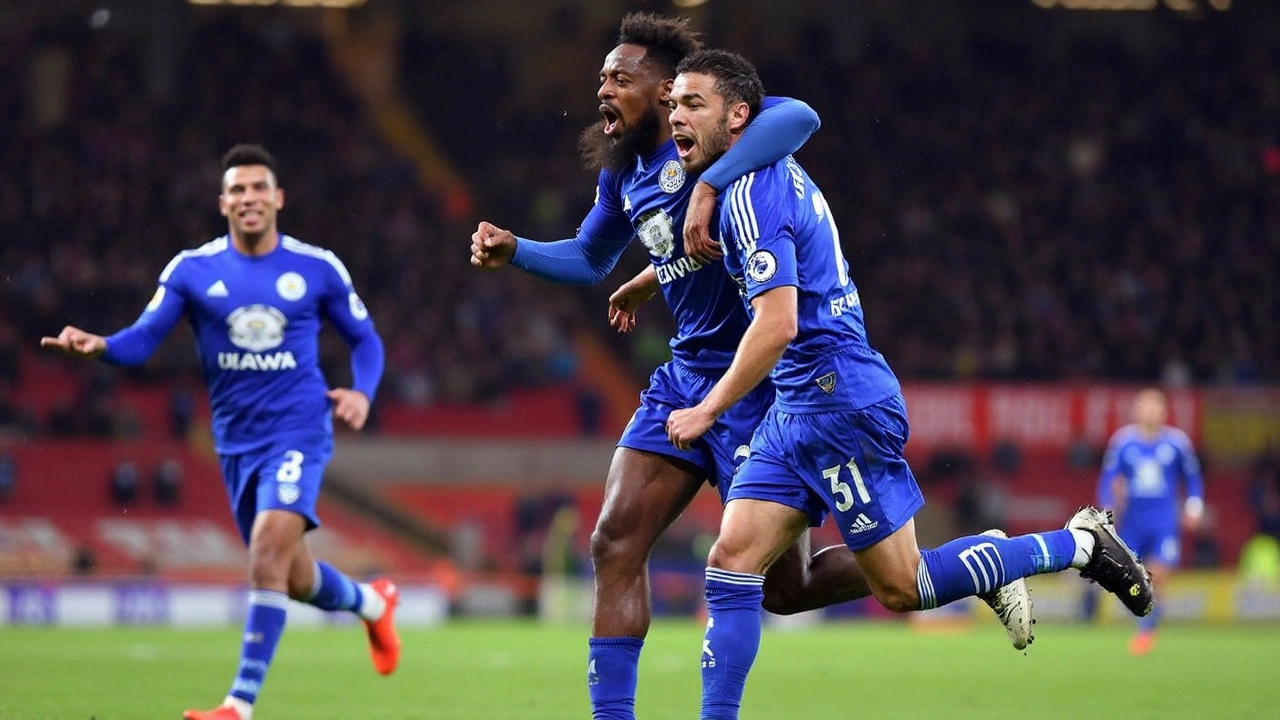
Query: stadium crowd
{"type": "Point", "coordinates": [1003, 219]}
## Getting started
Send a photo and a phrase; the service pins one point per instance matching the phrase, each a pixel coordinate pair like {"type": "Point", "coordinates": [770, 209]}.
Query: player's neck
{"type": "Point", "coordinates": [256, 244]}
{"type": "Point", "coordinates": [1149, 432]}
{"type": "Point", "coordinates": [662, 139]}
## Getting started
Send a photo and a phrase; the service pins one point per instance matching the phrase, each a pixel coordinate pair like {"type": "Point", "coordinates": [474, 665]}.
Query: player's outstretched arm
{"type": "Point", "coordinates": [626, 299]}
{"type": "Point", "coordinates": [783, 127]}
{"type": "Point", "coordinates": [584, 259]}
{"type": "Point", "coordinates": [76, 342]}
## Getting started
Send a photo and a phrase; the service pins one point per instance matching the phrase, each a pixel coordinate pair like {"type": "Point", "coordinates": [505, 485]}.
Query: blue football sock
{"type": "Point", "coordinates": [731, 642]}
{"type": "Point", "coordinates": [333, 590]}
{"type": "Point", "coordinates": [981, 563]}
{"type": "Point", "coordinates": [612, 666]}
{"type": "Point", "coordinates": [262, 629]}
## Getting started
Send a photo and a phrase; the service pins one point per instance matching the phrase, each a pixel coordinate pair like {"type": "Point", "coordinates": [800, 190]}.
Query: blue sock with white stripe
{"type": "Point", "coordinates": [334, 591]}
{"type": "Point", "coordinates": [732, 640]}
{"type": "Point", "coordinates": [262, 629]}
{"type": "Point", "coordinates": [612, 668]}
{"type": "Point", "coordinates": [981, 563]}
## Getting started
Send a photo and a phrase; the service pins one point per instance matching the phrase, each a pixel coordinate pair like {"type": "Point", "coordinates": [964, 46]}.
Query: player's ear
{"type": "Point", "coordinates": [664, 90]}
{"type": "Point", "coordinates": [222, 204]}
{"type": "Point", "coordinates": [279, 198]}
{"type": "Point", "coordinates": [739, 115]}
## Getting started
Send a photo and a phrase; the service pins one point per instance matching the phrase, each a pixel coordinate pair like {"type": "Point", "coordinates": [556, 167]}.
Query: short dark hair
{"type": "Point", "coordinates": [247, 154]}
{"type": "Point", "coordinates": [737, 80]}
{"type": "Point", "coordinates": [666, 40]}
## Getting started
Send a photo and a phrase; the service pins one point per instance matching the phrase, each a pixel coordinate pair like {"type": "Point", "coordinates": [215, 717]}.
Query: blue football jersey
{"type": "Point", "coordinates": [709, 316]}
{"type": "Point", "coordinates": [777, 230]}
{"type": "Point", "coordinates": [256, 322]}
{"type": "Point", "coordinates": [1152, 469]}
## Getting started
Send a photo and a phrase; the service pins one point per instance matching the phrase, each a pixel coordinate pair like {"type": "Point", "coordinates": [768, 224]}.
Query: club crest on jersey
{"type": "Point", "coordinates": [761, 266]}
{"type": "Point", "coordinates": [291, 286]}
{"type": "Point", "coordinates": [671, 178]}
{"type": "Point", "coordinates": [827, 383]}
{"type": "Point", "coordinates": [256, 327]}
{"type": "Point", "coordinates": [655, 231]}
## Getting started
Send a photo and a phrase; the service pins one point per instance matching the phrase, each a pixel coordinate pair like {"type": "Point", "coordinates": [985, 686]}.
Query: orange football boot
{"type": "Point", "coordinates": [384, 642]}
{"type": "Point", "coordinates": [222, 712]}
{"type": "Point", "coordinates": [1141, 643]}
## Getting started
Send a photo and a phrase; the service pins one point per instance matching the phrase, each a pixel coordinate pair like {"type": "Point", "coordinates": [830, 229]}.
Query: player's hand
{"type": "Point", "coordinates": [349, 406]}
{"type": "Point", "coordinates": [76, 342]}
{"type": "Point", "coordinates": [698, 243]}
{"type": "Point", "coordinates": [685, 426]}
{"type": "Point", "coordinates": [623, 304]}
{"type": "Point", "coordinates": [491, 246]}
{"type": "Point", "coordinates": [1192, 521]}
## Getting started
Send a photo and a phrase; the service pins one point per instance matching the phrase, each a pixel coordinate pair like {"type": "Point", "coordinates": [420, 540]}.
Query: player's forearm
{"type": "Point", "coordinates": [368, 360]}
{"type": "Point", "coordinates": [646, 279]}
{"type": "Point", "coordinates": [783, 127]}
{"type": "Point", "coordinates": [561, 261]}
{"type": "Point", "coordinates": [761, 348]}
{"type": "Point", "coordinates": [131, 346]}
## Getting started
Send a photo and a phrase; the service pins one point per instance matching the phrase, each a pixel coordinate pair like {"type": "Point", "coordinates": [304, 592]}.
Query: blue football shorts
{"type": "Point", "coordinates": [848, 463]}
{"type": "Point", "coordinates": [1153, 542]}
{"type": "Point", "coordinates": [283, 475]}
{"type": "Point", "coordinates": [674, 386]}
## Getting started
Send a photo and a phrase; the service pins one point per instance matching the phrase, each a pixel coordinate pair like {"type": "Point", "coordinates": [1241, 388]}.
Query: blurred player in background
{"type": "Point", "coordinates": [255, 300]}
{"type": "Point", "coordinates": [833, 440]}
{"type": "Point", "coordinates": [1143, 467]}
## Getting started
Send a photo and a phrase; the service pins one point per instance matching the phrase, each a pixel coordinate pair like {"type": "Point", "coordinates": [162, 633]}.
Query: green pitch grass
{"type": "Point", "coordinates": [522, 671]}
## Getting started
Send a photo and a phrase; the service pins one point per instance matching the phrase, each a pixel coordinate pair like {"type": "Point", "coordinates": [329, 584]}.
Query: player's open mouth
{"type": "Point", "coordinates": [611, 119]}
{"type": "Point", "coordinates": [684, 144]}
{"type": "Point", "coordinates": [251, 216]}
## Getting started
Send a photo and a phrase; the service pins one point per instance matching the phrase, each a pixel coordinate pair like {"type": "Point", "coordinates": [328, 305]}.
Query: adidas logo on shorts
{"type": "Point", "coordinates": [862, 524]}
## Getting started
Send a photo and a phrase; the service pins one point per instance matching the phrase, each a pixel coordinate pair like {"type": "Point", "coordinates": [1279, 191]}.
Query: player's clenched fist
{"type": "Point", "coordinates": [76, 342]}
{"type": "Point", "coordinates": [491, 246]}
{"type": "Point", "coordinates": [687, 425]}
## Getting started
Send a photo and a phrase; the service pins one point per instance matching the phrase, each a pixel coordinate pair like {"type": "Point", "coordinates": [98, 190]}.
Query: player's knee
{"type": "Point", "coordinates": [724, 556]}
{"type": "Point", "coordinates": [898, 597]}
{"type": "Point", "coordinates": [269, 564]}
{"type": "Point", "coordinates": [611, 548]}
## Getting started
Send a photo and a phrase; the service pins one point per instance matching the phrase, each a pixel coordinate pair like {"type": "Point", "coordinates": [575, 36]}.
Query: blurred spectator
{"type": "Point", "coordinates": [167, 483]}
{"type": "Point", "coordinates": [1264, 492]}
{"type": "Point", "coordinates": [182, 408]}
{"type": "Point", "coordinates": [84, 561]}
{"type": "Point", "coordinates": [124, 483]}
{"type": "Point", "coordinates": [14, 420]}
{"type": "Point", "coordinates": [8, 476]}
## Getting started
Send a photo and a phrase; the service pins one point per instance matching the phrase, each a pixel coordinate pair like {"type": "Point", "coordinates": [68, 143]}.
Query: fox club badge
{"type": "Point", "coordinates": [671, 178]}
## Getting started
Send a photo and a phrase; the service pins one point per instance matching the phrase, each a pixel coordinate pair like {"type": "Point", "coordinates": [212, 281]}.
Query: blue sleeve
{"type": "Point", "coordinates": [344, 308]}
{"type": "Point", "coordinates": [134, 344]}
{"type": "Point", "coordinates": [1191, 472]}
{"type": "Point", "coordinates": [589, 256]}
{"type": "Point", "coordinates": [759, 225]}
{"type": "Point", "coordinates": [1110, 471]}
{"type": "Point", "coordinates": [781, 129]}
